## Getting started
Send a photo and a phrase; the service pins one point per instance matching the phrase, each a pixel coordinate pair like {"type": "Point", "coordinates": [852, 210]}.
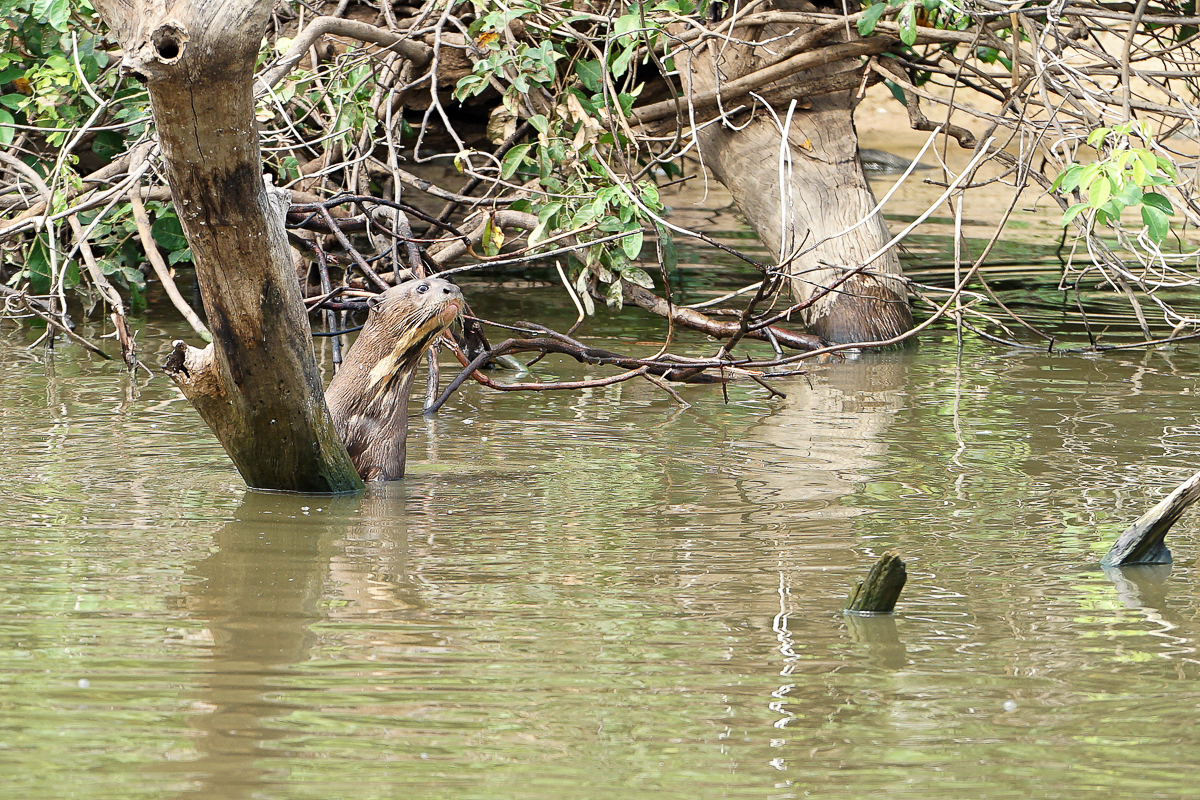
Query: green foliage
{"type": "Point", "coordinates": [119, 255]}
{"type": "Point", "coordinates": [1124, 178]}
{"type": "Point", "coordinates": [48, 60]}
{"type": "Point", "coordinates": [51, 71]}
{"type": "Point", "coordinates": [576, 137]}
{"type": "Point", "coordinates": [913, 14]}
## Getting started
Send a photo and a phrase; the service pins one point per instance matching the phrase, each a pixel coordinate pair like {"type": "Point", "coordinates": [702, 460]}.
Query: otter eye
{"type": "Point", "coordinates": [423, 288]}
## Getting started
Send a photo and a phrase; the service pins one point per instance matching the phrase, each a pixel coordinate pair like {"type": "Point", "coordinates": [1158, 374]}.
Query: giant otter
{"type": "Point", "coordinates": [367, 397]}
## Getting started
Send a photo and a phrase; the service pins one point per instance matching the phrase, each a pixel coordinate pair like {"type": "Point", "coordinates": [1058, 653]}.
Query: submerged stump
{"type": "Point", "coordinates": [879, 591]}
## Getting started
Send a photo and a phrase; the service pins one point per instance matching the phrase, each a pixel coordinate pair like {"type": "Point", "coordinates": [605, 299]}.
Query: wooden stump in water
{"type": "Point", "coordinates": [1143, 541]}
{"type": "Point", "coordinates": [879, 591]}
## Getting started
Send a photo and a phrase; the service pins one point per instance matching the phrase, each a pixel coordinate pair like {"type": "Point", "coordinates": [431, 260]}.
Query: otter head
{"type": "Point", "coordinates": [367, 397]}
{"type": "Point", "coordinates": [408, 317]}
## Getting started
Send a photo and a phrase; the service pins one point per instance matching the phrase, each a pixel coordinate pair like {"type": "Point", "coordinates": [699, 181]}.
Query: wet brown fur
{"type": "Point", "coordinates": [368, 398]}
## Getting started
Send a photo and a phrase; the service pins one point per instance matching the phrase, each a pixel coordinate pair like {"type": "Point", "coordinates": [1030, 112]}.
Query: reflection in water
{"type": "Point", "coordinates": [882, 642]}
{"type": "Point", "coordinates": [821, 440]}
{"type": "Point", "coordinates": [1142, 585]}
{"type": "Point", "coordinates": [257, 597]}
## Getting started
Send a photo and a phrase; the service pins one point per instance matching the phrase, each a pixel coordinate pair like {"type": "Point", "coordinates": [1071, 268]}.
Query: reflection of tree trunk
{"type": "Point", "coordinates": [371, 575]}
{"type": "Point", "coordinates": [809, 454]}
{"type": "Point", "coordinates": [257, 595]}
{"type": "Point", "coordinates": [823, 435]}
{"type": "Point", "coordinates": [825, 194]}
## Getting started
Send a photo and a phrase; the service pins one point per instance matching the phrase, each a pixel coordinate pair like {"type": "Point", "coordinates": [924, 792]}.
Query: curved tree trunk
{"type": "Point", "coordinates": [799, 218]}
{"type": "Point", "coordinates": [257, 385]}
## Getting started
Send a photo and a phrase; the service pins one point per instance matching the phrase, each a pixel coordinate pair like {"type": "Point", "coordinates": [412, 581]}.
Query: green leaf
{"type": "Point", "coordinates": [1166, 166]}
{"type": "Point", "coordinates": [55, 12]}
{"type": "Point", "coordinates": [1157, 224]}
{"type": "Point", "coordinates": [167, 231]}
{"type": "Point", "coordinates": [650, 195]}
{"type": "Point", "coordinates": [1099, 190]}
{"type": "Point", "coordinates": [37, 266]}
{"type": "Point", "coordinates": [632, 244]}
{"type": "Point", "coordinates": [493, 238]}
{"type": "Point", "coordinates": [1129, 194]}
{"type": "Point", "coordinates": [513, 159]}
{"type": "Point", "coordinates": [620, 64]}
{"type": "Point", "coordinates": [908, 24]}
{"type": "Point", "coordinates": [133, 277]}
{"type": "Point", "coordinates": [614, 297]}
{"type": "Point", "coordinates": [896, 91]}
{"type": "Point", "coordinates": [1072, 212]}
{"type": "Point", "coordinates": [7, 132]}
{"type": "Point", "coordinates": [1068, 181]}
{"type": "Point", "coordinates": [108, 144]}
{"type": "Point", "coordinates": [71, 277]}
{"type": "Point", "coordinates": [1158, 202]}
{"type": "Point", "coordinates": [626, 23]}
{"type": "Point", "coordinates": [591, 75]}
{"type": "Point", "coordinates": [1138, 172]}
{"type": "Point", "coordinates": [639, 276]}
{"type": "Point", "coordinates": [670, 256]}
{"type": "Point", "coordinates": [870, 18]}
{"type": "Point", "coordinates": [1088, 174]}
{"type": "Point", "coordinates": [586, 214]}
{"type": "Point", "coordinates": [1147, 159]}
{"type": "Point", "coordinates": [1096, 137]}
{"type": "Point", "coordinates": [1112, 209]}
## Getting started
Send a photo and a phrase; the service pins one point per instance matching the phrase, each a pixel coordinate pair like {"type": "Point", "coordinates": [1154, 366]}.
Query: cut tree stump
{"type": "Point", "coordinates": [1143, 541]}
{"type": "Point", "coordinates": [879, 591]}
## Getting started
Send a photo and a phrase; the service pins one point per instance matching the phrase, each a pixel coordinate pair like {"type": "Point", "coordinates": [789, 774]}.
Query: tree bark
{"type": "Point", "coordinates": [800, 215]}
{"type": "Point", "coordinates": [257, 385]}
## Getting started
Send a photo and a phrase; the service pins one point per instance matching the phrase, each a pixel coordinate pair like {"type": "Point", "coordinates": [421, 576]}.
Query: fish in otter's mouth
{"type": "Point", "coordinates": [366, 397]}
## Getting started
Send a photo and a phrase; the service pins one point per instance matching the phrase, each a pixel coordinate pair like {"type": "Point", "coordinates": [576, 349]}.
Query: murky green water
{"type": "Point", "coordinates": [604, 595]}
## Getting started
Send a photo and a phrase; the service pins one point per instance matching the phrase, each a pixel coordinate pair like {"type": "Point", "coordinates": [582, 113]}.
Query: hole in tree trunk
{"type": "Point", "coordinates": [169, 42]}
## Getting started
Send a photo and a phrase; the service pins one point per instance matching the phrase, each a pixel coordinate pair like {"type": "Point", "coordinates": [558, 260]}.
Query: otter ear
{"type": "Point", "coordinates": [373, 301]}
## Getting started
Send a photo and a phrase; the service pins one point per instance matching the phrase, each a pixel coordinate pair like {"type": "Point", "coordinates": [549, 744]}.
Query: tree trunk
{"type": "Point", "coordinates": [822, 194]}
{"type": "Point", "coordinates": [257, 385]}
